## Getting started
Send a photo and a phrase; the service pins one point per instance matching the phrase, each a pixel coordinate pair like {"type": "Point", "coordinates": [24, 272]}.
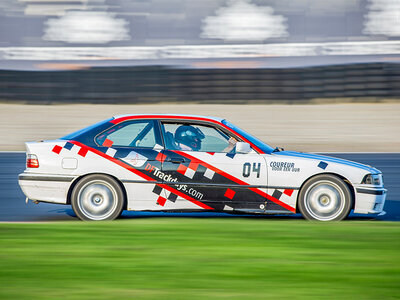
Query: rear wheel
{"type": "Point", "coordinates": [97, 198]}
{"type": "Point", "coordinates": [325, 198]}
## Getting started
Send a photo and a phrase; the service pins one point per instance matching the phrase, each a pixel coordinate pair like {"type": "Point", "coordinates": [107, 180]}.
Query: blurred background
{"type": "Point", "coordinates": [226, 52]}
{"type": "Point", "coordinates": [210, 50]}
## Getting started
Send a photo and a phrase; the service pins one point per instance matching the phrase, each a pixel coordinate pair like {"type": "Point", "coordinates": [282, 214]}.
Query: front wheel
{"type": "Point", "coordinates": [325, 198]}
{"type": "Point", "coordinates": [97, 198]}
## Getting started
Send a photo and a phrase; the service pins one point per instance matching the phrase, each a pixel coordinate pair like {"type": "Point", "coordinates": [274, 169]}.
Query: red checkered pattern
{"type": "Point", "coordinates": [57, 149]}
{"type": "Point", "coordinates": [161, 157]}
{"type": "Point", "coordinates": [285, 195]}
{"type": "Point", "coordinates": [288, 192]}
{"type": "Point", "coordinates": [161, 201]}
{"type": "Point", "coordinates": [193, 166]}
{"type": "Point", "coordinates": [229, 194]}
{"type": "Point", "coordinates": [83, 152]}
{"type": "Point", "coordinates": [108, 143]}
{"type": "Point", "coordinates": [182, 169]}
{"type": "Point", "coordinates": [190, 171]}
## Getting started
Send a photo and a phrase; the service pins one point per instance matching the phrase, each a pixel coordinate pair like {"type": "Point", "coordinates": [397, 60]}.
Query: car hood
{"type": "Point", "coordinates": [324, 158]}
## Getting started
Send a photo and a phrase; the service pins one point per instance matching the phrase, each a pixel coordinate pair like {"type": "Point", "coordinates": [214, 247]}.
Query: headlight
{"type": "Point", "coordinates": [375, 179]}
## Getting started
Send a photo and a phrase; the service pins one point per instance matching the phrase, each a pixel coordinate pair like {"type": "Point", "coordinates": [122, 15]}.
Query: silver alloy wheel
{"type": "Point", "coordinates": [324, 200]}
{"type": "Point", "coordinates": [97, 200]}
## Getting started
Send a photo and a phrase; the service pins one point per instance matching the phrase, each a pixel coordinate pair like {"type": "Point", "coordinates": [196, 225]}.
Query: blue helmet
{"type": "Point", "coordinates": [189, 136]}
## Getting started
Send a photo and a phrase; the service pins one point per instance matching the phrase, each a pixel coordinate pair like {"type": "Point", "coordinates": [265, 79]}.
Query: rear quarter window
{"type": "Point", "coordinates": [129, 134]}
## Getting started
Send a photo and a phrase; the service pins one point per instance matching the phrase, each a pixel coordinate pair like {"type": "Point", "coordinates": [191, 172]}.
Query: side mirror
{"type": "Point", "coordinates": [242, 147]}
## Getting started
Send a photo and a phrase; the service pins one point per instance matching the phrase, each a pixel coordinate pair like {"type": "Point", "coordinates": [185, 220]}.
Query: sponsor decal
{"type": "Point", "coordinates": [157, 172]}
{"type": "Point", "coordinates": [282, 166]}
{"type": "Point", "coordinates": [190, 191]}
{"type": "Point", "coordinates": [135, 159]}
{"type": "Point", "coordinates": [168, 178]}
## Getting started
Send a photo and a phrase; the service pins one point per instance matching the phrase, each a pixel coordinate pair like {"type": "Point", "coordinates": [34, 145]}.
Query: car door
{"type": "Point", "coordinates": [211, 175]}
{"type": "Point", "coordinates": [136, 145]}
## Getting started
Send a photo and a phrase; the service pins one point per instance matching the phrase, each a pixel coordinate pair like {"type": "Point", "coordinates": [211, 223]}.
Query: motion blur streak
{"type": "Point", "coordinates": [204, 51]}
{"type": "Point", "coordinates": [152, 32]}
{"type": "Point", "coordinates": [86, 27]}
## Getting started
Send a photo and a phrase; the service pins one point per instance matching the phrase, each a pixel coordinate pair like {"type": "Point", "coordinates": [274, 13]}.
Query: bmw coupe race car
{"type": "Point", "coordinates": [192, 163]}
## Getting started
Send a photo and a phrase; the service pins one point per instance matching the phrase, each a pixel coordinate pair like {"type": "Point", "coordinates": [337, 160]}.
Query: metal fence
{"type": "Point", "coordinates": [161, 84]}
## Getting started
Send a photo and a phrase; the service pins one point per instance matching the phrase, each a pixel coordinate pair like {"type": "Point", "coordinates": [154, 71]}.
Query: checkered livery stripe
{"type": "Point", "coordinates": [68, 146]}
{"type": "Point", "coordinates": [117, 156]}
{"type": "Point", "coordinates": [280, 193]}
{"type": "Point", "coordinates": [190, 171]}
{"type": "Point", "coordinates": [164, 195]}
{"type": "Point", "coordinates": [257, 198]}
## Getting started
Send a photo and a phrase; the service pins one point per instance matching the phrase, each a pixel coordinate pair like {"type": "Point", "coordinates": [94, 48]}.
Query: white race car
{"type": "Point", "coordinates": [192, 163]}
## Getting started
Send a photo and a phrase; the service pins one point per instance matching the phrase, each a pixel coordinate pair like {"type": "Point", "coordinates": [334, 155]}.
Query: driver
{"type": "Point", "coordinates": [231, 144]}
{"type": "Point", "coordinates": [189, 137]}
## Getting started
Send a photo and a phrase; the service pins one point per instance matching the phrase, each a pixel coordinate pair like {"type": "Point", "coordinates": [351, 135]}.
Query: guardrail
{"type": "Point", "coordinates": [160, 84]}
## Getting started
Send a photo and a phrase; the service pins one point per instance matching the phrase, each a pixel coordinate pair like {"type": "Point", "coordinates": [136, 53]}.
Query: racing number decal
{"type": "Point", "coordinates": [247, 169]}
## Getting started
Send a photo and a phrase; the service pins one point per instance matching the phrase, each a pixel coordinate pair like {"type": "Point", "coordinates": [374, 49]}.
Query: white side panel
{"type": "Point", "coordinates": [46, 191]}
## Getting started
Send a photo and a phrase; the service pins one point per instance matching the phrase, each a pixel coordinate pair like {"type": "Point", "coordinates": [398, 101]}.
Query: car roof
{"type": "Point", "coordinates": [183, 116]}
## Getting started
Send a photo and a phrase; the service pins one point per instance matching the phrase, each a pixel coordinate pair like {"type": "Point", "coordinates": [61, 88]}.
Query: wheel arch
{"type": "Point", "coordinates": [345, 180]}
{"type": "Point", "coordinates": [79, 178]}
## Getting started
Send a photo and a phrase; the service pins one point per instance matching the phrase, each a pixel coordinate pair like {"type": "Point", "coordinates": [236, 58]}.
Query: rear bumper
{"type": "Point", "coordinates": [369, 200]}
{"type": "Point", "coordinates": [45, 187]}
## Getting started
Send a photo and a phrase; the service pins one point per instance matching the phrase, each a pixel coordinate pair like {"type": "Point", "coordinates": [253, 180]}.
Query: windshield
{"type": "Point", "coordinates": [261, 145]}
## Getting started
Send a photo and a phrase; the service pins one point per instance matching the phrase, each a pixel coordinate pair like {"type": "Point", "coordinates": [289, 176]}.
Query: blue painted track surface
{"type": "Point", "coordinates": [13, 206]}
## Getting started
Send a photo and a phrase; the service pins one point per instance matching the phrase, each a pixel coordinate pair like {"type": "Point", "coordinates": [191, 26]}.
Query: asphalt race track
{"type": "Point", "coordinates": [14, 209]}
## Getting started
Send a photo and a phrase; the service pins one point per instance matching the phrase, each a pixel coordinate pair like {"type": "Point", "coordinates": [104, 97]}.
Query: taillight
{"type": "Point", "coordinates": [32, 161]}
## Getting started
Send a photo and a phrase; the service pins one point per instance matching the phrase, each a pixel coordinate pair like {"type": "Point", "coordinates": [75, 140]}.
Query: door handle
{"type": "Point", "coordinates": [176, 160]}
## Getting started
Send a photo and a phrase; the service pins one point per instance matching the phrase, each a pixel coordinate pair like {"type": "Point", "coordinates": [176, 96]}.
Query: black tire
{"type": "Point", "coordinates": [97, 198]}
{"type": "Point", "coordinates": [325, 198]}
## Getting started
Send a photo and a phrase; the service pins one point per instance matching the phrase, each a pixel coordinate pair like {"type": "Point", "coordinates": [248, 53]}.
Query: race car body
{"type": "Point", "coordinates": [192, 163]}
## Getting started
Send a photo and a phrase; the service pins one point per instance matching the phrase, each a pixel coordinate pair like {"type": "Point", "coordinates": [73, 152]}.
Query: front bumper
{"type": "Point", "coordinates": [45, 187]}
{"type": "Point", "coordinates": [369, 200]}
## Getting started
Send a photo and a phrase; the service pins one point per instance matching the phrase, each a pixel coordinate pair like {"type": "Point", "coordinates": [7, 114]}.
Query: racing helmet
{"type": "Point", "coordinates": [189, 136]}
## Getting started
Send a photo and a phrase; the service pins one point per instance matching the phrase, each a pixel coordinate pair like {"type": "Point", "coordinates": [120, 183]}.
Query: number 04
{"type": "Point", "coordinates": [247, 169]}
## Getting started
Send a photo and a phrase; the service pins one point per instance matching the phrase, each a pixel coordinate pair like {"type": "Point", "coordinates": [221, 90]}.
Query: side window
{"type": "Point", "coordinates": [194, 137]}
{"type": "Point", "coordinates": [129, 134]}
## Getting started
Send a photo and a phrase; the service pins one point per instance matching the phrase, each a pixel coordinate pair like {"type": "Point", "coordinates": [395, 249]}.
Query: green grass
{"type": "Point", "coordinates": [184, 258]}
